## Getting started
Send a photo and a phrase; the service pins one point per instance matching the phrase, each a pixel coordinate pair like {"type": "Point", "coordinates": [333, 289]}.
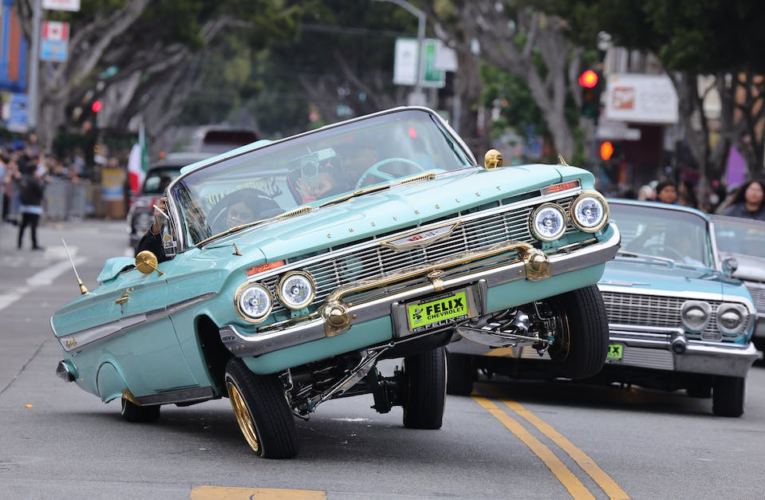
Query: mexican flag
{"type": "Point", "coordinates": [138, 161]}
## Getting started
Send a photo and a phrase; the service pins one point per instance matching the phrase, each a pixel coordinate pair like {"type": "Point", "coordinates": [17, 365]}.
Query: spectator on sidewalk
{"type": "Point", "coordinates": [749, 201]}
{"type": "Point", "coordinates": [31, 192]}
{"type": "Point", "coordinates": [666, 192]}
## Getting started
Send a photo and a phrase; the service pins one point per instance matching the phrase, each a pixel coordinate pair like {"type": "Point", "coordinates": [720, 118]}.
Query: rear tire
{"type": "Point", "coordinates": [581, 349]}
{"type": "Point", "coordinates": [728, 396]}
{"type": "Point", "coordinates": [460, 374]}
{"type": "Point", "coordinates": [261, 410]}
{"type": "Point", "coordinates": [139, 414]}
{"type": "Point", "coordinates": [426, 389]}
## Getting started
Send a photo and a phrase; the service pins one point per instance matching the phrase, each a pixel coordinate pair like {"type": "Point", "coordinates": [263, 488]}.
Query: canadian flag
{"type": "Point", "coordinates": [55, 31]}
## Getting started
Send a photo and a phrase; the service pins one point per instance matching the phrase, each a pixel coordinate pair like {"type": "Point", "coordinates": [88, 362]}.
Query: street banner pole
{"type": "Point", "coordinates": [34, 70]}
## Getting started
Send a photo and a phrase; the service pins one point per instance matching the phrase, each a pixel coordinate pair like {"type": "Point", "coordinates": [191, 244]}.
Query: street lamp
{"type": "Point", "coordinates": [418, 96]}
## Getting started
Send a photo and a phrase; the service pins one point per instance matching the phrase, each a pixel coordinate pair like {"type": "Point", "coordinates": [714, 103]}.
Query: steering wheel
{"type": "Point", "coordinates": [674, 254]}
{"type": "Point", "coordinates": [374, 170]}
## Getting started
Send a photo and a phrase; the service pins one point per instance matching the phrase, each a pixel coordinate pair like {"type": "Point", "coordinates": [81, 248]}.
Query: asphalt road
{"type": "Point", "coordinates": [509, 440]}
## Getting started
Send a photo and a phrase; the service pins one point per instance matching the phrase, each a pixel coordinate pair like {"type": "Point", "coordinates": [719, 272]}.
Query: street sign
{"type": "Point", "coordinates": [17, 113]}
{"type": "Point", "coordinates": [405, 62]}
{"type": "Point", "coordinates": [70, 5]}
{"type": "Point", "coordinates": [54, 45]}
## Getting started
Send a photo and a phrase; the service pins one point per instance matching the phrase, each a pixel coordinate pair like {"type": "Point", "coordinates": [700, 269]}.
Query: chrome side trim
{"type": "Point", "coordinates": [78, 340]}
{"type": "Point", "coordinates": [295, 332]}
{"type": "Point", "coordinates": [180, 396]}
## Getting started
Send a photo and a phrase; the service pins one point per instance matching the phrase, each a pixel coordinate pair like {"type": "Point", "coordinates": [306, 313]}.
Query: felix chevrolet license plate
{"type": "Point", "coordinates": [435, 312]}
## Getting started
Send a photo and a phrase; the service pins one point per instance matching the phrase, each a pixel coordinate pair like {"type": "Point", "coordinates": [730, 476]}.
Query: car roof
{"type": "Point", "coordinates": [663, 206]}
{"type": "Point", "coordinates": [178, 160]}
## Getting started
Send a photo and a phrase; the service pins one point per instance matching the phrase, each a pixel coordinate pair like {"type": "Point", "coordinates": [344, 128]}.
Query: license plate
{"type": "Point", "coordinates": [615, 353]}
{"type": "Point", "coordinates": [435, 312]}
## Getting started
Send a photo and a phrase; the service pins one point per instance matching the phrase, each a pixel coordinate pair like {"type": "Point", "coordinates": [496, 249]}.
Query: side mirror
{"type": "Point", "coordinates": [492, 159]}
{"type": "Point", "coordinates": [729, 265]}
{"type": "Point", "coordinates": [146, 263]}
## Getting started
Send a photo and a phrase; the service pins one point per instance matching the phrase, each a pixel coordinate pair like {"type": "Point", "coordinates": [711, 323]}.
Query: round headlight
{"type": "Point", "coordinates": [253, 302]}
{"type": "Point", "coordinates": [589, 212]}
{"type": "Point", "coordinates": [695, 315]}
{"type": "Point", "coordinates": [731, 319]}
{"type": "Point", "coordinates": [296, 290]}
{"type": "Point", "coordinates": [548, 222]}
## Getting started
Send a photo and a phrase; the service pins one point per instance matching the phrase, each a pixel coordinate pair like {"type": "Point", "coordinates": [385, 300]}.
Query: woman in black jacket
{"type": "Point", "coordinates": [749, 201]}
{"type": "Point", "coordinates": [31, 192]}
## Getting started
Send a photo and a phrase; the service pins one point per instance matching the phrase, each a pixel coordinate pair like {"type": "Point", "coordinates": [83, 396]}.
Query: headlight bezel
{"type": "Point", "coordinates": [743, 313]}
{"type": "Point", "coordinates": [579, 199]}
{"type": "Point", "coordinates": [537, 211]}
{"type": "Point", "coordinates": [240, 311]}
{"type": "Point", "coordinates": [697, 304]}
{"type": "Point", "coordinates": [302, 305]}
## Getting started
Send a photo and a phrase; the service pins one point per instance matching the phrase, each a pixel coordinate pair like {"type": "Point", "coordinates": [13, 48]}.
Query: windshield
{"type": "Point", "coordinates": [157, 179]}
{"type": "Point", "coordinates": [312, 169]}
{"type": "Point", "coordinates": [740, 236]}
{"type": "Point", "coordinates": [669, 234]}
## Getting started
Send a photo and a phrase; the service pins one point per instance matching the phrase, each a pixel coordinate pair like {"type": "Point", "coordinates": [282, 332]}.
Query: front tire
{"type": "Point", "coordinates": [261, 411]}
{"type": "Point", "coordinates": [139, 414]}
{"type": "Point", "coordinates": [580, 349]}
{"type": "Point", "coordinates": [426, 389]}
{"type": "Point", "coordinates": [461, 374]}
{"type": "Point", "coordinates": [728, 396]}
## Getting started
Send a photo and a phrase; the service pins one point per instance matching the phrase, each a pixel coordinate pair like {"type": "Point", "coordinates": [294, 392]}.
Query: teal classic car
{"type": "Point", "coordinates": [288, 269]}
{"type": "Point", "coordinates": [677, 319]}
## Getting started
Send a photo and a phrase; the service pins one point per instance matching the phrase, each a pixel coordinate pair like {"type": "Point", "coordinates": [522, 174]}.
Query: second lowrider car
{"type": "Point", "coordinates": [290, 268]}
{"type": "Point", "coordinates": [677, 319]}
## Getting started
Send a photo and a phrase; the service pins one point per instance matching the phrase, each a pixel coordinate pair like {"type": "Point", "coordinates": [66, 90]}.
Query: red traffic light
{"type": "Point", "coordinates": [96, 106]}
{"type": "Point", "coordinates": [588, 79]}
{"type": "Point", "coordinates": [606, 151]}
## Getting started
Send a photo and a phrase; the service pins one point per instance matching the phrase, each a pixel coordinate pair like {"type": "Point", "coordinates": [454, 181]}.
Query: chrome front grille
{"type": "Point", "coordinates": [654, 310]}
{"type": "Point", "coordinates": [758, 295]}
{"type": "Point", "coordinates": [372, 261]}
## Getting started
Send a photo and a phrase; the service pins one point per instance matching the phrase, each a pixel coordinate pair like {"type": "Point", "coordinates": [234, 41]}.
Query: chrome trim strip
{"type": "Point", "coordinates": [290, 333]}
{"type": "Point", "coordinates": [180, 396]}
{"type": "Point", "coordinates": [373, 243]}
{"type": "Point", "coordinates": [78, 340]}
{"type": "Point", "coordinates": [686, 294]}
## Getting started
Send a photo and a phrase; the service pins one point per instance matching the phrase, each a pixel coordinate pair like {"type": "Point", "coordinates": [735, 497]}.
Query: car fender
{"type": "Point", "coordinates": [110, 383]}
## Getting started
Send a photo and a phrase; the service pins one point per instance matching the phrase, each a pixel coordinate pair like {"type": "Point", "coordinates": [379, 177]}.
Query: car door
{"type": "Point", "coordinates": [149, 353]}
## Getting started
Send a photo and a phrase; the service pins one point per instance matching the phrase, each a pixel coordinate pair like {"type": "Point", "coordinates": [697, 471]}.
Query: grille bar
{"type": "Point", "coordinates": [758, 295]}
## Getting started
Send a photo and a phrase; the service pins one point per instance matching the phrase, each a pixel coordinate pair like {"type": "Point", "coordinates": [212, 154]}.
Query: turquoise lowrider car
{"type": "Point", "coordinates": [676, 317]}
{"type": "Point", "coordinates": [287, 269]}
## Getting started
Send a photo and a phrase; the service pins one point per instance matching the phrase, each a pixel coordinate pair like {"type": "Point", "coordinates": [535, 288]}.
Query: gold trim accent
{"type": "Point", "coordinates": [238, 294]}
{"type": "Point", "coordinates": [436, 281]}
{"type": "Point", "coordinates": [579, 199]}
{"type": "Point", "coordinates": [421, 177]}
{"type": "Point", "coordinates": [425, 243]}
{"type": "Point", "coordinates": [562, 161]}
{"type": "Point", "coordinates": [122, 299]}
{"type": "Point", "coordinates": [292, 213]}
{"type": "Point", "coordinates": [83, 288]}
{"type": "Point", "coordinates": [492, 159]}
{"type": "Point", "coordinates": [311, 296]}
{"type": "Point", "coordinates": [243, 416]}
{"type": "Point", "coordinates": [534, 229]}
{"type": "Point", "coordinates": [129, 396]}
{"type": "Point", "coordinates": [537, 265]}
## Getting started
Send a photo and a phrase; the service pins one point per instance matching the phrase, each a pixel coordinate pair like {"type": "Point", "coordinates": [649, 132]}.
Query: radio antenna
{"type": "Point", "coordinates": [83, 289]}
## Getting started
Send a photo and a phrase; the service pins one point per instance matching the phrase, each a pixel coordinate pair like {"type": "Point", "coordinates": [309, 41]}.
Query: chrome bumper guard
{"type": "Point", "coordinates": [337, 315]}
{"type": "Point", "coordinates": [669, 349]}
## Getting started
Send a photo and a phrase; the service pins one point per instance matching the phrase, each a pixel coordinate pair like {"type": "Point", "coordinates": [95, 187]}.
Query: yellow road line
{"type": "Point", "coordinates": [231, 493]}
{"type": "Point", "coordinates": [564, 475]}
{"type": "Point", "coordinates": [587, 464]}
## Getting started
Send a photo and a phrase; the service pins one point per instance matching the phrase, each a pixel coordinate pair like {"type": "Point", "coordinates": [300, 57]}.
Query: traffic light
{"type": "Point", "coordinates": [606, 151]}
{"type": "Point", "coordinates": [96, 106]}
{"type": "Point", "coordinates": [592, 86]}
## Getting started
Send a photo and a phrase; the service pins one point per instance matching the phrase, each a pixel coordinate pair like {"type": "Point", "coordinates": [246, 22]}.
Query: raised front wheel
{"type": "Point", "coordinates": [426, 389]}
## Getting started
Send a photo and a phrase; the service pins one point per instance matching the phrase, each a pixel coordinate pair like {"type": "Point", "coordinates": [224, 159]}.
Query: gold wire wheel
{"type": "Point", "coordinates": [243, 416]}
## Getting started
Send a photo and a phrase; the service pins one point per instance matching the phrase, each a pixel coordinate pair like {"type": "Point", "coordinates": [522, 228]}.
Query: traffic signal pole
{"type": "Point", "coordinates": [34, 69]}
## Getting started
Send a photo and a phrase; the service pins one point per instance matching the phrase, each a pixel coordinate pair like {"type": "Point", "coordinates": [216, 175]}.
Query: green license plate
{"type": "Point", "coordinates": [615, 352]}
{"type": "Point", "coordinates": [435, 312]}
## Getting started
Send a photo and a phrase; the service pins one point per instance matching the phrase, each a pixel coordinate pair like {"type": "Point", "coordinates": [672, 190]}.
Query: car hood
{"type": "Point", "coordinates": [400, 207]}
{"type": "Point", "coordinates": [660, 276]}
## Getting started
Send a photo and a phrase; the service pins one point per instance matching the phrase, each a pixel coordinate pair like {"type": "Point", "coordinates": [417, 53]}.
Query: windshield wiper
{"type": "Point", "coordinates": [358, 192]}
{"type": "Point", "coordinates": [644, 256]}
{"type": "Point", "coordinates": [292, 213]}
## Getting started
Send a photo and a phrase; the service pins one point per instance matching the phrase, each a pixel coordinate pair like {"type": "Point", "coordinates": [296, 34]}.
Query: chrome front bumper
{"type": "Point", "coordinates": [391, 302]}
{"type": "Point", "coordinates": [669, 349]}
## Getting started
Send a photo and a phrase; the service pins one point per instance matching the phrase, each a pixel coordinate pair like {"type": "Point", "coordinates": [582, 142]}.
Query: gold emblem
{"type": "Point", "coordinates": [70, 343]}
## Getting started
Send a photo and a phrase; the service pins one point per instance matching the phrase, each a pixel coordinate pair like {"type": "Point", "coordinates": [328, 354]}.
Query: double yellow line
{"type": "Point", "coordinates": [558, 468]}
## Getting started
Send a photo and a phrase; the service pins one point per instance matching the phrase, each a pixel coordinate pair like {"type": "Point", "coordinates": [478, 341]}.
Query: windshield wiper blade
{"type": "Point", "coordinates": [354, 194]}
{"type": "Point", "coordinates": [292, 213]}
{"type": "Point", "coordinates": [644, 256]}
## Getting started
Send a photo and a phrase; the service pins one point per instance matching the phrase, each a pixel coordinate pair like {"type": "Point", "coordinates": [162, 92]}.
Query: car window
{"type": "Point", "coordinates": [671, 234]}
{"type": "Point", "coordinates": [314, 168]}
{"type": "Point", "coordinates": [157, 179]}
{"type": "Point", "coordinates": [738, 236]}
